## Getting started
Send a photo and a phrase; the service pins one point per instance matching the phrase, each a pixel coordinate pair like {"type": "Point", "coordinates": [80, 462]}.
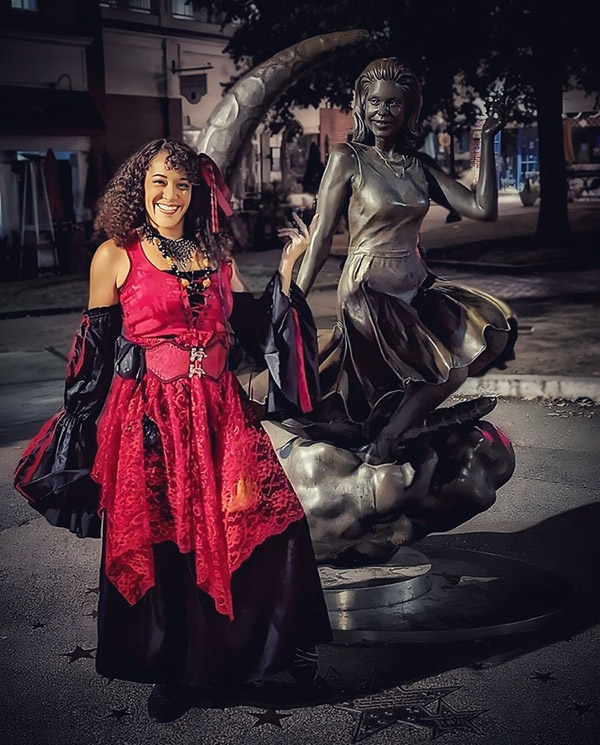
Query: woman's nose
{"type": "Point", "coordinates": [169, 192]}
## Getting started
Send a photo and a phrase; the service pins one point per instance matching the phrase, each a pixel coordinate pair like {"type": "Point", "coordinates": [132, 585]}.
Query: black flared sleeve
{"type": "Point", "coordinates": [278, 332]}
{"type": "Point", "coordinates": [54, 472]}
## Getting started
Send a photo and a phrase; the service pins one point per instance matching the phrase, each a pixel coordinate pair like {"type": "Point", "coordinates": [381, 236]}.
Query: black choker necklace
{"type": "Point", "coordinates": [180, 253]}
{"type": "Point", "coordinates": [181, 250]}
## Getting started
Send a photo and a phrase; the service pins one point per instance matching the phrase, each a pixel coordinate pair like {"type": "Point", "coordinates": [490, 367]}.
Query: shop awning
{"type": "Point", "coordinates": [35, 111]}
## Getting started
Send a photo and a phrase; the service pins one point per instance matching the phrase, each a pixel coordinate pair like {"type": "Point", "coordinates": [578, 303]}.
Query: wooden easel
{"type": "Point", "coordinates": [33, 177]}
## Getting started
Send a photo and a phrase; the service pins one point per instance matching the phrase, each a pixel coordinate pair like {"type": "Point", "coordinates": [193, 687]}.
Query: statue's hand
{"type": "Point", "coordinates": [298, 238]}
{"type": "Point", "coordinates": [496, 118]}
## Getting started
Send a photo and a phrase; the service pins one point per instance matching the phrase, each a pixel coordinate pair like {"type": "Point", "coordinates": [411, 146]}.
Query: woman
{"type": "Point", "coordinates": [208, 574]}
{"type": "Point", "coordinates": [403, 344]}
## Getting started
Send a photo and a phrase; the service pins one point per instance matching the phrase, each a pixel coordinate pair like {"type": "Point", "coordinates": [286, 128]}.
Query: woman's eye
{"type": "Point", "coordinates": [159, 183]}
{"type": "Point", "coordinates": [184, 186]}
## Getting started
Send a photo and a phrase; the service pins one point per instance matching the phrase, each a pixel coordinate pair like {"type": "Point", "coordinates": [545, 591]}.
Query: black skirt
{"type": "Point", "coordinates": [175, 635]}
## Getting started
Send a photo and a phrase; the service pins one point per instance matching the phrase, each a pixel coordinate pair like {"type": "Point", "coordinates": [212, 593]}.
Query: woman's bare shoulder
{"type": "Point", "coordinates": [109, 251]}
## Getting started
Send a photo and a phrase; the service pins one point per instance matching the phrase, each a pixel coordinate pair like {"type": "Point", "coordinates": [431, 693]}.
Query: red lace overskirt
{"type": "Point", "coordinates": [212, 484]}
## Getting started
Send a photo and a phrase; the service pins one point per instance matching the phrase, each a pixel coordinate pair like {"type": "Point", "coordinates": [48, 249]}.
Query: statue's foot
{"type": "Point", "coordinates": [461, 413]}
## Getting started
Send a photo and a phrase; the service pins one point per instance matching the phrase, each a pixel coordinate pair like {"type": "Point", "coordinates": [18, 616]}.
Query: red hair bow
{"type": "Point", "coordinates": [220, 193]}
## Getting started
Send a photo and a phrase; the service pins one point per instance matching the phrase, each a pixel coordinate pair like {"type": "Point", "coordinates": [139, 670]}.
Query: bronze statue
{"type": "Point", "coordinates": [375, 466]}
{"type": "Point", "coordinates": [404, 342]}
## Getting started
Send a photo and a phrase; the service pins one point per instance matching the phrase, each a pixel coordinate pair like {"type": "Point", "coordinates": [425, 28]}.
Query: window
{"type": "Point", "coordinates": [25, 5]}
{"type": "Point", "coordinates": [183, 10]}
{"type": "Point", "coordinates": [137, 6]}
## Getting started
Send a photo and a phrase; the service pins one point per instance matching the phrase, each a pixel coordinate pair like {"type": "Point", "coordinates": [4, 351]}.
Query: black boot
{"type": "Point", "coordinates": [305, 672]}
{"type": "Point", "coordinates": [168, 702]}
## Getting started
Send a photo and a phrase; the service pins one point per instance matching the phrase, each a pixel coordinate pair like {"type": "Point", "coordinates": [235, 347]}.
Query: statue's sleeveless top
{"type": "Point", "coordinates": [386, 211]}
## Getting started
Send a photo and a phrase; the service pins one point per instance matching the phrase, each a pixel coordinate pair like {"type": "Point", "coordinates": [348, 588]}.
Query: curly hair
{"type": "Point", "coordinates": [388, 68]}
{"type": "Point", "coordinates": [122, 210]}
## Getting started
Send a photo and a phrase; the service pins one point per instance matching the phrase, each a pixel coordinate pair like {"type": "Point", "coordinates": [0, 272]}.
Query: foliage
{"type": "Point", "coordinates": [460, 48]}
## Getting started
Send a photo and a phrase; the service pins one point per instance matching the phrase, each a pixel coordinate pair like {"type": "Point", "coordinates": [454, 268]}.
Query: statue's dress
{"type": "Point", "coordinates": [398, 324]}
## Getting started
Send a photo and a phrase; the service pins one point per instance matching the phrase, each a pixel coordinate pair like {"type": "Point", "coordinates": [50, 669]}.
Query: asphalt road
{"type": "Point", "coordinates": [537, 688]}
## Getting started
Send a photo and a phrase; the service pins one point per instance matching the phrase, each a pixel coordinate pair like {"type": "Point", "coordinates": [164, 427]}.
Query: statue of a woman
{"type": "Point", "coordinates": [404, 342]}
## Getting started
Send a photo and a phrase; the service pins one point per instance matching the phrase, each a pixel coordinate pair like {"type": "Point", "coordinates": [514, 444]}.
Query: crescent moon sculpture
{"type": "Point", "coordinates": [236, 117]}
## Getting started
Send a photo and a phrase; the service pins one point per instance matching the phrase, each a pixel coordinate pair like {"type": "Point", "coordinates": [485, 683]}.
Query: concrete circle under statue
{"type": "Point", "coordinates": [378, 585]}
{"type": "Point", "coordinates": [441, 595]}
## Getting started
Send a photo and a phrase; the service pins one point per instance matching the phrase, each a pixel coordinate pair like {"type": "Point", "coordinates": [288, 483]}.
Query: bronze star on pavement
{"type": "Point", "coordinates": [79, 653]}
{"type": "Point", "coordinates": [398, 705]}
{"type": "Point", "coordinates": [269, 716]}
{"type": "Point", "coordinates": [448, 719]}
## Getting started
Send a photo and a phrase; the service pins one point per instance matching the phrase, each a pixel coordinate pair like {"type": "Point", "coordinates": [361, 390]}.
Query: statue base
{"type": "Point", "coordinates": [446, 595]}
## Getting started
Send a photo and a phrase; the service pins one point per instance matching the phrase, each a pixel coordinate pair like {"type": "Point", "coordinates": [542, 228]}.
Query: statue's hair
{"type": "Point", "coordinates": [388, 68]}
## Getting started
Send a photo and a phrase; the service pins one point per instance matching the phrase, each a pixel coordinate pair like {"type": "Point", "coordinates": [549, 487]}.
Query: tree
{"type": "Point", "coordinates": [532, 49]}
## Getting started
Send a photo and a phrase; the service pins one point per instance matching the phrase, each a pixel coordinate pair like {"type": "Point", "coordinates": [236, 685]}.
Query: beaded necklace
{"type": "Point", "coordinates": [180, 253]}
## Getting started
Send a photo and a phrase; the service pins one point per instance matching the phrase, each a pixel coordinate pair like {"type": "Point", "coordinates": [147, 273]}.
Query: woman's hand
{"type": "Point", "coordinates": [497, 116]}
{"type": "Point", "coordinates": [299, 241]}
{"type": "Point", "coordinates": [299, 238]}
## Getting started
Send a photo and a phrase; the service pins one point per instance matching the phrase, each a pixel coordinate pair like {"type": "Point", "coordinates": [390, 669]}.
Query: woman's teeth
{"type": "Point", "coordinates": [167, 209]}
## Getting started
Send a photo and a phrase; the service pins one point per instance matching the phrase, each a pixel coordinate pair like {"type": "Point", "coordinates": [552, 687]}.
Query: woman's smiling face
{"type": "Point", "coordinates": [167, 194]}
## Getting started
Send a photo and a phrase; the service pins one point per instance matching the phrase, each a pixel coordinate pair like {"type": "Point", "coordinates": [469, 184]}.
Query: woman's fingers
{"type": "Point", "coordinates": [300, 223]}
{"type": "Point", "coordinates": [291, 233]}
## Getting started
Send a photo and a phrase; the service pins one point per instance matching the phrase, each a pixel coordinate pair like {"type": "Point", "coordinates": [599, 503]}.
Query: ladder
{"type": "Point", "coordinates": [32, 203]}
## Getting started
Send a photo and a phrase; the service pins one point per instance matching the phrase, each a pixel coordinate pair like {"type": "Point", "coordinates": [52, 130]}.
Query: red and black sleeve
{"type": "Point", "coordinates": [54, 472]}
{"type": "Point", "coordinates": [278, 331]}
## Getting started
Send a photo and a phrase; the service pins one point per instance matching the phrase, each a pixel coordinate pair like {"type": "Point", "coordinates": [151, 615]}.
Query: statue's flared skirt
{"type": "Point", "coordinates": [386, 340]}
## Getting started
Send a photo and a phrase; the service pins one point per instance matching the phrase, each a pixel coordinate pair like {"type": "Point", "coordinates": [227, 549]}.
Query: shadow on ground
{"type": "Point", "coordinates": [566, 544]}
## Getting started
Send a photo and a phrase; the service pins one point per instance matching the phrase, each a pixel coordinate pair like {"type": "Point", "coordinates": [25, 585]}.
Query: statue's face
{"type": "Point", "coordinates": [385, 108]}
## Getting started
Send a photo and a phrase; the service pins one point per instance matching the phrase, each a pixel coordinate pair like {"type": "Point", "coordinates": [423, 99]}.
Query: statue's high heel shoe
{"type": "Point", "coordinates": [461, 413]}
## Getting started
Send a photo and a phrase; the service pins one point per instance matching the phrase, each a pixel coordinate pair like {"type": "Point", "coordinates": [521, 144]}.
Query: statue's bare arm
{"type": "Point", "coordinates": [332, 201]}
{"type": "Point", "coordinates": [482, 202]}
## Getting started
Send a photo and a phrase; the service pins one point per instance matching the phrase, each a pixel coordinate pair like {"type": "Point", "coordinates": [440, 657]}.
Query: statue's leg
{"type": "Point", "coordinates": [419, 400]}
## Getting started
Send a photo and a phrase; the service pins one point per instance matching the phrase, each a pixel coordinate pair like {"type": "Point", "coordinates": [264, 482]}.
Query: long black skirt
{"type": "Point", "coordinates": [175, 635]}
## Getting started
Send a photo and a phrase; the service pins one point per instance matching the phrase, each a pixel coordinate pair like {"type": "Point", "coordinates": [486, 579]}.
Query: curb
{"type": "Point", "coordinates": [499, 268]}
{"type": "Point", "coordinates": [532, 386]}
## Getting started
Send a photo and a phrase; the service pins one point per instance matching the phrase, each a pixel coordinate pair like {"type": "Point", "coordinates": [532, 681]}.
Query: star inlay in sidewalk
{"type": "Point", "coordinates": [542, 677]}
{"type": "Point", "coordinates": [448, 719]}
{"type": "Point", "coordinates": [416, 707]}
{"type": "Point", "coordinates": [269, 716]}
{"type": "Point", "coordinates": [581, 709]}
{"type": "Point", "coordinates": [79, 653]}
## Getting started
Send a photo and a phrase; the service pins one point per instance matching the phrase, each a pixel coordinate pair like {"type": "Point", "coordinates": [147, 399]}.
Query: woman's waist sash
{"type": "Point", "coordinates": [169, 360]}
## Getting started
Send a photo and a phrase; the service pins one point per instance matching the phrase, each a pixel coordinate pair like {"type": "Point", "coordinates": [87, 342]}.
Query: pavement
{"type": "Point", "coordinates": [526, 689]}
{"type": "Point", "coordinates": [537, 688]}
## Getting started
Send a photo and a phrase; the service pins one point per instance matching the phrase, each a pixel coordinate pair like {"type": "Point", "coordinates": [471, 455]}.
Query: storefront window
{"type": "Point", "coordinates": [137, 6]}
{"type": "Point", "coordinates": [25, 5]}
{"type": "Point", "coordinates": [586, 144]}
